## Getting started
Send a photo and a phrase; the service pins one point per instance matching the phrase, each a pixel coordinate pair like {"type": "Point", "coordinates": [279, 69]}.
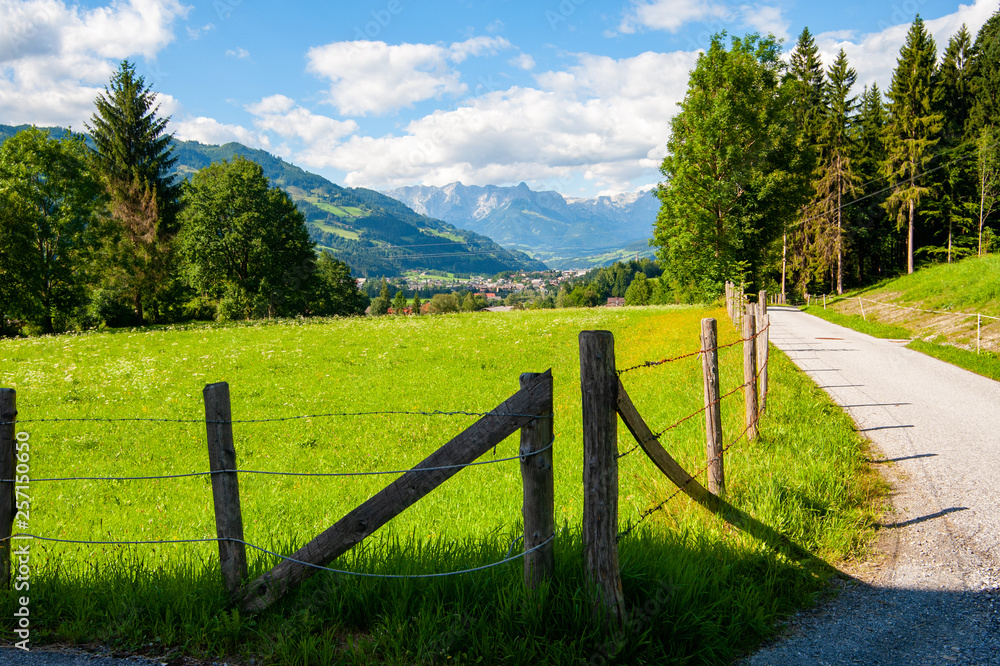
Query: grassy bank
{"type": "Point", "coordinates": [936, 308]}
{"type": "Point", "coordinates": [699, 591]}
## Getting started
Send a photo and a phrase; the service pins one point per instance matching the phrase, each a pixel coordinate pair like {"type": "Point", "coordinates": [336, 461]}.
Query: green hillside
{"type": "Point", "coordinates": [938, 303]}
{"type": "Point", "coordinates": [373, 233]}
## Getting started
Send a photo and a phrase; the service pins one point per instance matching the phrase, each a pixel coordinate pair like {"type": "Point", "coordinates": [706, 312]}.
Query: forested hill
{"type": "Point", "coordinates": [373, 233]}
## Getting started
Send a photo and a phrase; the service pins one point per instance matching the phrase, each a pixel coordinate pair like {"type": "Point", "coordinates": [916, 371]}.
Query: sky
{"type": "Point", "coordinates": [574, 96]}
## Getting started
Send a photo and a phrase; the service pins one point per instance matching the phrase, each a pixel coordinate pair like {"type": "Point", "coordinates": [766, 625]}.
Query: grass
{"type": "Point", "coordinates": [698, 590]}
{"type": "Point", "coordinates": [340, 231]}
{"type": "Point", "coordinates": [969, 285]}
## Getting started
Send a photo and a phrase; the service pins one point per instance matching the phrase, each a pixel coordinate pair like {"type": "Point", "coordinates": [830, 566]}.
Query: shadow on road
{"type": "Point", "coordinates": [921, 519]}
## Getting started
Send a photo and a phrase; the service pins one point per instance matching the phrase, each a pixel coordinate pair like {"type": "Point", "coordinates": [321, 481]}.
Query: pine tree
{"type": "Point", "coordinates": [986, 77]}
{"type": "Point", "coordinates": [134, 158]}
{"type": "Point", "coordinates": [836, 171]}
{"type": "Point", "coordinates": [914, 129]}
{"type": "Point", "coordinates": [875, 236]}
{"type": "Point", "coordinates": [954, 181]}
{"type": "Point", "coordinates": [806, 79]}
{"type": "Point", "coordinates": [399, 303]}
{"type": "Point", "coordinates": [380, 305]}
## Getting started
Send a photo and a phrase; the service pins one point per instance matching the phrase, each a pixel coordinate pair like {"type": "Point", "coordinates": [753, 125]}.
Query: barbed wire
{"type": "Point", "coordinates": [689, 417]}
{"type": "Point", "coordinates": [23, 535]}
{"type": "Point", "coordinates": [127, 419]}
{"type": "Point", "coordinates": [274, 473]}
{"type": "Point", "coordinates": [652, 364]}
{"type": "Point", "coordinates": [648, 512]}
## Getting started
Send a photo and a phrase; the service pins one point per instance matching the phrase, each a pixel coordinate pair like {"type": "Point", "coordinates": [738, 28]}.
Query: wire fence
{"type": "Point", "coordinates": [231, 469]}
{"type": "Point", "coordinates": [937, 312]}
{"type": "Point", "coordinates": [276, 473]}
{"type": "Point", "coordinates": [133, 419]}
{"type": "Point", "coordinates": [751, 425]}
{"type": "Point", "coordinates": [508, 558]}
{"type": "Point", "coordinates": [497, 412]}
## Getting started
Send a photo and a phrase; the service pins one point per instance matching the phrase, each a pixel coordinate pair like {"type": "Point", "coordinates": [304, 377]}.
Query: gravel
{"type": "Point", "coordinates": [931, 592]}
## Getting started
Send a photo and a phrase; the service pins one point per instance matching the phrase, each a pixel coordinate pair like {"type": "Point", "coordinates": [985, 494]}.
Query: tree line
{"type": "Point", "coordinates": [107, 236]}
{"type": "Point", "coordinates": [784, 176]}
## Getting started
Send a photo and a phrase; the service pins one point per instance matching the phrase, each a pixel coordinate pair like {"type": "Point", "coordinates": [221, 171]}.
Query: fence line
{"type": "Point", "coordinates": [255, 471]}
{"type": "Point", "coordinates": [508, 558]}
{"type": "Point", "coordinates": [688, 417]}
{"type": "Point", "coordinates": [128, 419]}
{"type": "Point", "coordinates": [940, 312]}
{"type": "Point", "coordinates": [529, 411]}
{"type": "Point", "coordinates": [651, 364]}
{"type": "Point", "coordinates": [947, 313]}
{"type": "Point", "coordinates": [645, 514]}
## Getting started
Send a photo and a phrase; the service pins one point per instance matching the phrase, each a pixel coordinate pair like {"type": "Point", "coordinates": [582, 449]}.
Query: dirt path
{"type": "Point", "coordinates": [931, 595]}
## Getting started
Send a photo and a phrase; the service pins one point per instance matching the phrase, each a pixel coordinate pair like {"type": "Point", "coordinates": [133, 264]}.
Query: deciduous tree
{"type": "Point", "coordinates": [245, 242]}
{"type": "Point", "coordinates": [729, 188]}
{"type": "Point", "coordinates": [336, 291]}
{"type": "Point", "coordinates": [49, 202]}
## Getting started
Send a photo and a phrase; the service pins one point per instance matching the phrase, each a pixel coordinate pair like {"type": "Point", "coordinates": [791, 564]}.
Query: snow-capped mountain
{"type": "Point", "coordinates": [538, 222]}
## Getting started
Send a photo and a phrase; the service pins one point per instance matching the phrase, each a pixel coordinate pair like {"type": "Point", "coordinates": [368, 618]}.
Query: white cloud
{"type": "Point", "coordinates": [765, 20]}
{"type": "Point", "coordinates": [671, 15]}
{"type": "Point", "coordinates": [375, 77]}
{"type": "Point", "coordinates": [274, 104]}
{"type": "Point", "coordinates": [607, 119]}
{"type": "Point", "coordinates": [522, 61]}
{"type": "Point", "coordinates": [239, 52]}
{"type": "Point", "coordinates": [874, 54]}
{"type": "Point", "coordinates": [55, 58]}
{"type": "Point", "coordinates": [198, 33]}
{"type": "Point", "coordinates": [211, 131]}
{"type": "Point", "coordinates": [319, 135]}
{"type": "Point", "coordinates": [477, 46]}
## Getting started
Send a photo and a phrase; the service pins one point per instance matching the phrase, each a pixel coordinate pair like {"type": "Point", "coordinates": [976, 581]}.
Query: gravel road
{"type": "Point", "coordinates": [930, 595]}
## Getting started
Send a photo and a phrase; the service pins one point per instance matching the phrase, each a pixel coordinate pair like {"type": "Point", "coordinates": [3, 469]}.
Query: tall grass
{"type": "Point", "coordinates": [698, 590]}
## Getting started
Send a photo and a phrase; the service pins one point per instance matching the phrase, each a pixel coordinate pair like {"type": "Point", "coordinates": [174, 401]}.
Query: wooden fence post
{"type": "Point", "coordinates": [713, 410]}
{"type": "Point", "coordinates": [599, 387]}
{"type": "Point", "coordinates": [764, 359]}
{"type": "Point", "coordinates": [761, 345]}
{"type": "Point", "coordinates": [225, 485]}
{"type": "Point", "coordinates": [537, 479]}
{"type": "Point", "coordinates": [8, 430]}
{"type": "Point", "coordinates": [750, 370]}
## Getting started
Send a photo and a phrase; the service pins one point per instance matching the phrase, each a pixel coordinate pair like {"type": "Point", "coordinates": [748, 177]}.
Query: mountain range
{"type": "Point", "coordinates": [563, 232]}
{"type": "Point", "coordinates": [373, 233]}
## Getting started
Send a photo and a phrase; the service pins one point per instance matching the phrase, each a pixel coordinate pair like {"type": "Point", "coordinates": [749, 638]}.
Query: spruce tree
{"type": "Point", "coordinates": [133, 156]}
{"type": "Point", "coordinates": [954, 180]}
{"type": "Point", "coordinates": [913, 131]}
{"type": "Point", "coordinates": [986, 77]}
{"type": "Point", "coordinates": [875, 236]}
{"type": "Point", "coordinates": [836, 176]}
{"type": "Point", "coordinates": [805, 79]}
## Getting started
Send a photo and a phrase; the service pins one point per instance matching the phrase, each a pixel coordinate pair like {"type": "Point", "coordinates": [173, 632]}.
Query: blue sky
{"type": "Point", "coordinates": [570, 95]}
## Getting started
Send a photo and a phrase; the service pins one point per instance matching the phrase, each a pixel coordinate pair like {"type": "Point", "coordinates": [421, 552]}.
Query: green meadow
{"type": "Point", "coordinates": [699, 590]}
